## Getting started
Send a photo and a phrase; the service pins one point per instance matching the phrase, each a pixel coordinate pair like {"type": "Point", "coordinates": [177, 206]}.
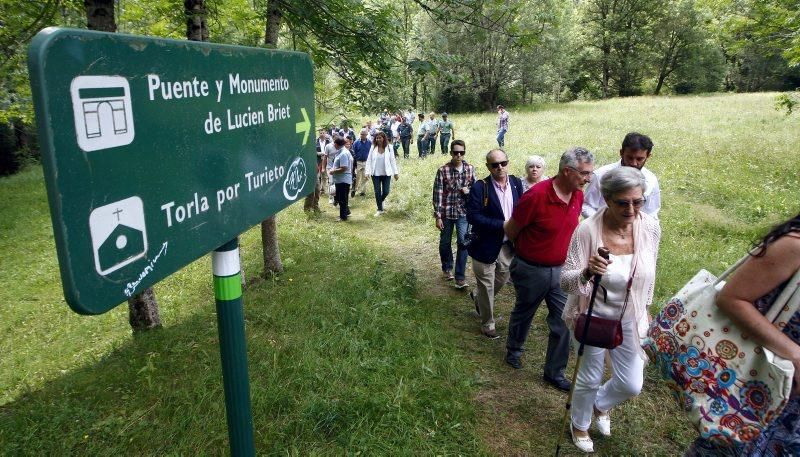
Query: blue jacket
{"type": "Point", "coordinates": [487, 221]}
{"type": "Point", "coordinates": [361, 150]}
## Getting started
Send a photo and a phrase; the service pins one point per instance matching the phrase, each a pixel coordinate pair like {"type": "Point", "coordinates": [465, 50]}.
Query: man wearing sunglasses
{"type": "Point", "coordinates": [635, 151]}
{"type": "Point", "coordinates": [491, 202]}
{"type": "Point", "coordinates": [450, 190]}
{"type": "Point", "coordinates": [541, 228]}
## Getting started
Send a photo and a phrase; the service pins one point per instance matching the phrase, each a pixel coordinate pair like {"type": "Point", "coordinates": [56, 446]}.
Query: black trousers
{"type": "Point", "coordinates": [406, 143]}
{"type": "Point", "coordinates": [343, 197]}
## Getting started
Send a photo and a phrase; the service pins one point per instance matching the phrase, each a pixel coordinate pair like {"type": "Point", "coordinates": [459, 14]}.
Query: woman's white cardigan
{"type": "Point", "coordinates": [585, 241]}
{"type": "Point", "coordinates": [388, 159]}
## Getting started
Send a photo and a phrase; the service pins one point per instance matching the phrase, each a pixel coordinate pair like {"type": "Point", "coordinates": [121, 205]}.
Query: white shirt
{"type": "Point", "coordinates": [380, 164]}
{"type": "Point", "coordinates": [593, 198]}
{"type": "Point", "coordinates": [611, 297]}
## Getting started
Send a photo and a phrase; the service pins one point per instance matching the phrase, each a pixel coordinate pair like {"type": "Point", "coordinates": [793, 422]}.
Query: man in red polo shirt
{"type": "Point", "coordinates": [541, 228]}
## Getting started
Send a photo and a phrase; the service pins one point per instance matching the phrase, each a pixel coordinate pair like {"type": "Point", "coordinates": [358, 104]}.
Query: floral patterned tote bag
{"type": "Point", "coordinates": [730, 387]}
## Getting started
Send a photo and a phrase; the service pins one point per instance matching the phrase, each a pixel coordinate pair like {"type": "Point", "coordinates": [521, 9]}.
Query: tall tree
{"type": "Point", "coordinates": [269, 227]}
{"type": "Point", "coordinates": [617, 36]}
{"type": "Point", "coordinates": [143, 313]}
{"type": "Point", "coordinates": [476, 59]}
{"type": "Point", "coordinates": [674, 38]}
{"type": "Point", "coordinates": [337, 34]}
{"type": "Point", "coordinates": [196, 26]}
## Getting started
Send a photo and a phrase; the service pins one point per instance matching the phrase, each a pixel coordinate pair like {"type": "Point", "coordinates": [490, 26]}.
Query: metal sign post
{"type": "Point", "coordinates": [233, 347]}
{"type": "Point", "coordinates": [156, 152]}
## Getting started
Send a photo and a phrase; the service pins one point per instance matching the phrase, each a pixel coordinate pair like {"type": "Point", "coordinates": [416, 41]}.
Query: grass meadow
{"type": "Point", "coordinates": [359, 347]}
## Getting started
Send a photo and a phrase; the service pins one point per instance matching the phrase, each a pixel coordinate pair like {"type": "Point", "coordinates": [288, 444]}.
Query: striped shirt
{"type": "Point", "coordinates": [448, 200]}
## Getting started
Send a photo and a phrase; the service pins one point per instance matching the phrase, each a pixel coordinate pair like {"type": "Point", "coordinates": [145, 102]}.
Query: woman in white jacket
{"type": "Point", "coordinates": [626, 291]}
{"type": "Point", "coordinates": [381, 166]}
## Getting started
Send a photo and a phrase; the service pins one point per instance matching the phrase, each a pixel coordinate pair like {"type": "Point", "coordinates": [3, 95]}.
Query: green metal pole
{"type": "Point", "coordinates": [233, 347]}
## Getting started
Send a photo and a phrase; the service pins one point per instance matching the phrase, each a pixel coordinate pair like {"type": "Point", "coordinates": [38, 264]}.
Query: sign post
{"type": "Point", "coordinates": [156, 152]}
{"type": "Point", "coordinates": [233, 347]}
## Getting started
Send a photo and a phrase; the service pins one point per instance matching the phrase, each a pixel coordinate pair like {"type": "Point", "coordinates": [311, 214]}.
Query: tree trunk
{"type": "Point", "coordinates": [100, 15]}
{"type": "Point", "coordinates": [269, 244]}
{"type": "Point", "coordinates": [143, 311]}
{"type": "Point", "coordinates": [273, 27]}
{"type": "Point", "coordinates": [269, 227]}
{"type": "Point", "coordinates": [606, 71]}
{"type": "Point", "coordinates": [21, 139]}
{"type": "Point", "coordinates": [196, 27]}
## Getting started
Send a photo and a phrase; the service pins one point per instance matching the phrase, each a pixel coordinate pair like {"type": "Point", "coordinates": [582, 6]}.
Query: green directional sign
{"type": "Point", "coordinates": [158, 151]}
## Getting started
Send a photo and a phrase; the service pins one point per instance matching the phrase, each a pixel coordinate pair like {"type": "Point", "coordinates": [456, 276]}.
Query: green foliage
{"type": "Point", "coordinates": [353, 39]}
{"type": "Point", "coordinates": [344, 355]}
{"type": "Point", "coordinates": [357, 347]}
{"type": "Point", "coordinates": [787, 102]}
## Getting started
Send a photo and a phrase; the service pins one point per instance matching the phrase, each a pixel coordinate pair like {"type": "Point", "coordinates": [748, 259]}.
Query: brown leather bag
{"type": "Point", "coordinates": [602, 332]}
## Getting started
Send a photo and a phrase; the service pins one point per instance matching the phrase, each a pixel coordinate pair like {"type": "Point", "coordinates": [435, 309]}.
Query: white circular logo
{"type": "Point", "coordinates": [295, 179]}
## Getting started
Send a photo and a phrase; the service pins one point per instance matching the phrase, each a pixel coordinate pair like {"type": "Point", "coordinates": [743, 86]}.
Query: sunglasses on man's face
{"type": "Point", "coordinates": [458, 153]}
{"type": "Point", "coordinates": [498, 164]}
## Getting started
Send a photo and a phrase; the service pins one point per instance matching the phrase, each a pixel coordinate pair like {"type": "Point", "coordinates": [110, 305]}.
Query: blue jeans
{"type": "Point", "coordinates": [444, 142]}
{"type": "Point", "coordinates": [406, 142]}
{"type": "Point", "coordinates": [381, 185]}
{"type": "Point", "coordinates": [446, 250]}
{"type": "Point", "coordinates": [431, 144]}
{"type": "Point", "coordinates": [422, 147]}
{"type": "Point", "coordinates": [501, 138]}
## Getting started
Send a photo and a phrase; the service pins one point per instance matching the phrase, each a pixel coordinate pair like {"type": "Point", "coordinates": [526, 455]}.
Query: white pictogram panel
{"type": "Point", "coordinates": [118, 232]}
{"type": "Point", "coordinates": [102, 110]}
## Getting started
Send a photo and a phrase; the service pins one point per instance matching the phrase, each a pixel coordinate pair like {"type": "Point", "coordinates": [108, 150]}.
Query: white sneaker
{"type": "Point", "coordinates": [603, 423]}
{"type": "Point", "coordinates": [585, 444]}
{"type": "Point", "coordinates": [378, 213]}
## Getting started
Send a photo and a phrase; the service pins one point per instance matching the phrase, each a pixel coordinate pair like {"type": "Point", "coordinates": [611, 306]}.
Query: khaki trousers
{"type": "Point", "coordinates": [361, 178]}
{"type": "Point", "coordinates": [489, 279]}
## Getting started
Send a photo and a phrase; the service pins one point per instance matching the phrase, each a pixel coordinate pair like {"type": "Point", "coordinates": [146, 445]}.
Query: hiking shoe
{"type": "Point", "coordinates": [560, 383]}
{"type": "Point", "coordinates": [513, 360]}
{"type": "Point", "coordinates": [460, 284]}
{"type": "Point", "coordinates": [490, 333]}
{"type": "Point", "coordinates": [448, 276]}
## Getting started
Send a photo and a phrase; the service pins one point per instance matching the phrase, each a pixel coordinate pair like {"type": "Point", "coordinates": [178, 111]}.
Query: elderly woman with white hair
{"type": "Point", "coordinates": [534, 172]}
{"type": "Point", "coordinates": [625, 293]}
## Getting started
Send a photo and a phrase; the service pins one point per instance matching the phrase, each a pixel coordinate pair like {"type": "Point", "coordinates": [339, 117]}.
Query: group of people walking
{"type": "Point", "coordinates": [530, 229]}
{"type": "Point", "coordinates": [556, 240]}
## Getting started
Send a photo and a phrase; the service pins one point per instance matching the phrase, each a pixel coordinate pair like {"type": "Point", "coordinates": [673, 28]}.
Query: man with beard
{"type": "Point", "coordinates": [635, 151]}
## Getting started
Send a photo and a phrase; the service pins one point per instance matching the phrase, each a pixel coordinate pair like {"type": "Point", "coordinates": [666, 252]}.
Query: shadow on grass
{"type": "Point", "coordinates": [340, 361]}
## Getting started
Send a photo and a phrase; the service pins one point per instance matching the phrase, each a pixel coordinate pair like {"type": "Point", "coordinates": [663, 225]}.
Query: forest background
{"type": "Point", "coordinates": [453, 55]}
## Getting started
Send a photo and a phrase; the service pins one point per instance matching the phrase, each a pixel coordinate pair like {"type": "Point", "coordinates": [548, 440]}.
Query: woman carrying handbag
{"type": "Point", "coordinates": [626, 291]}
{"type": "Point", "coordinates": [766, 276]}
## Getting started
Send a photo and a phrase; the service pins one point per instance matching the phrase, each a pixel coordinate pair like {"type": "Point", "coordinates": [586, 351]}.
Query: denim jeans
{"type": "Point", "coordinates": [444, 142]}
{"type": "Point", "coordinates": [501, 138]}
{"type": "Point", "coordinates": [381, 184]}
{"type": "Point", "coordinates": [422, 147]}
{"type": "Point", "coordinates": [446, 249]}
{"type": "Point", "coordinates": [431, 145]}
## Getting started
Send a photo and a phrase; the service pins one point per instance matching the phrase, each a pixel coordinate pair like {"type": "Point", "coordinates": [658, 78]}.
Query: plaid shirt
{"type": "Point", "coordinates": [502, 121]}
{"type": "Point", "coordinates": [448, 200]}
